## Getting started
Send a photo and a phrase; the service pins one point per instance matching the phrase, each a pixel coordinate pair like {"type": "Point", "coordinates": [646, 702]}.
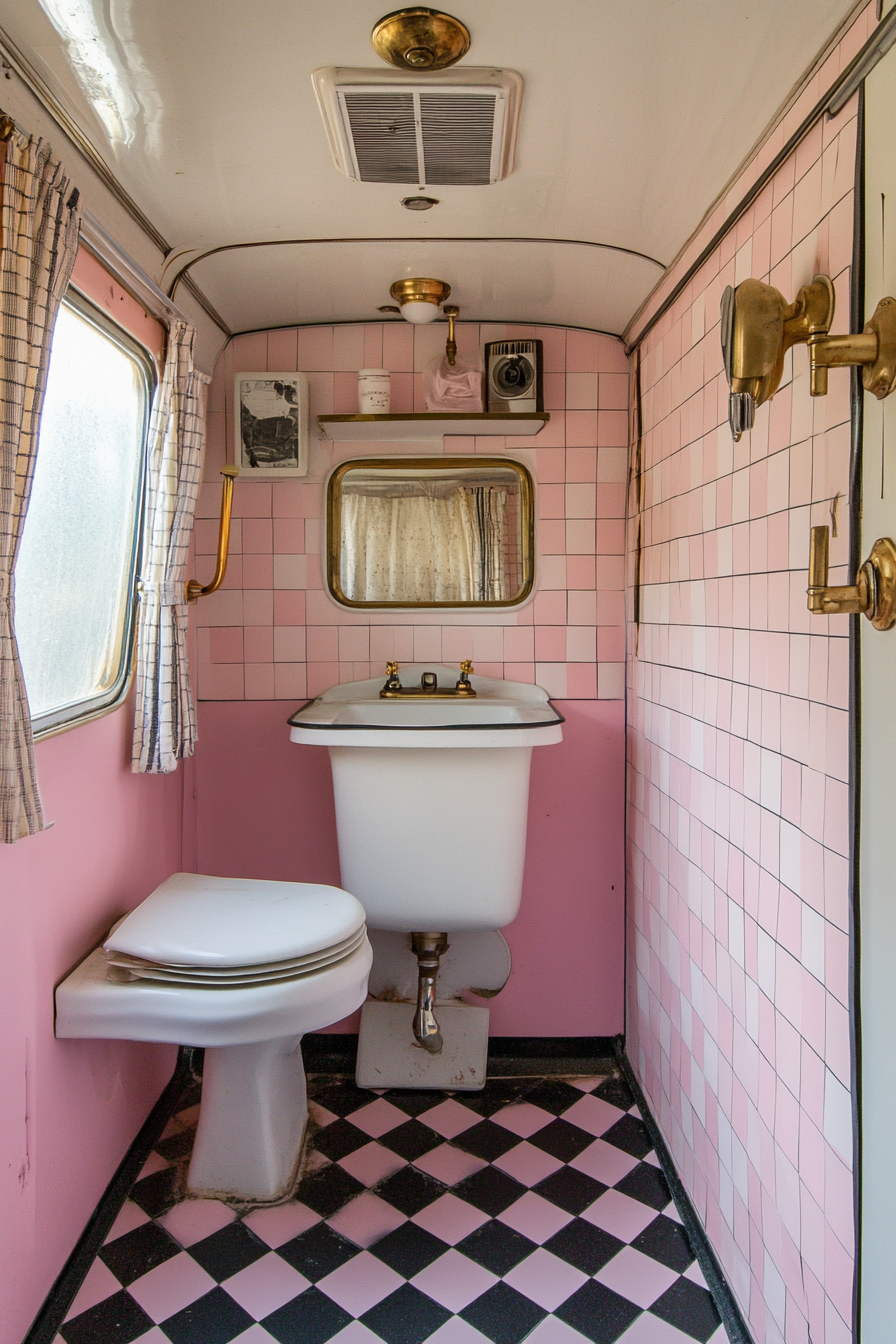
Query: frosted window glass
{"type": "Point", "coordinates": [74, 573]}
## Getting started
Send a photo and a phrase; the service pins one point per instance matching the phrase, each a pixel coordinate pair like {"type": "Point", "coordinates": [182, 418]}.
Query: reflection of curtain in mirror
{"type": "Point", "coordinates": [423, 544]}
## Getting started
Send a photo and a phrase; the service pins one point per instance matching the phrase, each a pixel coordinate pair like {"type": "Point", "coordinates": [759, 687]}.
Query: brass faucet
{"type": "Point", "coordinates": [873, 593]}
{"type": "Point", "coordinates": [429, 685]}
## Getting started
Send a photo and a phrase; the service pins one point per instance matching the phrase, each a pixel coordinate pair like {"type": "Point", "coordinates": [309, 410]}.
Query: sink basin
{"type": "Point", "coordinates": [504, 714]}
{"type": "Point", "coordinates": [431, 839]}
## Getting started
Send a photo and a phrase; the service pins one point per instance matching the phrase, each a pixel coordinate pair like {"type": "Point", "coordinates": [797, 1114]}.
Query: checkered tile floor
{"type": "Point", "coordinates": [532, 1210]}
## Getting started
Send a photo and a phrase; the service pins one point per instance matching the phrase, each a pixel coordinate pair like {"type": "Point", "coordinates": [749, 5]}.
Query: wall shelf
{"type": "Point", "coordinates": [431, 425]}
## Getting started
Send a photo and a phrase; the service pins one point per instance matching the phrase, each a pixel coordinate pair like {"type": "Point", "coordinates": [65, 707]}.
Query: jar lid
{"type": "Point", "coordinates": [370, 373]}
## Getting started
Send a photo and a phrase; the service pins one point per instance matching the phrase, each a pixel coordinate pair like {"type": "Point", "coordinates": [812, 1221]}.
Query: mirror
{"type": "Point", "coordinates": [430, 532]}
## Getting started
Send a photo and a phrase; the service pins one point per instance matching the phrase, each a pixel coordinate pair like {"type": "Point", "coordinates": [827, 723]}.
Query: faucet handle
{"type": "Point", "coordinates": [466, 667]}
{"type": "Point", "coordinates": [392, 682]}
{"type": "Point", "coordinates": [463, 685]}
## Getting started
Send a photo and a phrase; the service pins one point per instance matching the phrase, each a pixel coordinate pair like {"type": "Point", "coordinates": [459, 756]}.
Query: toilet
{"type": "Point", "coordinates": [244, 968]}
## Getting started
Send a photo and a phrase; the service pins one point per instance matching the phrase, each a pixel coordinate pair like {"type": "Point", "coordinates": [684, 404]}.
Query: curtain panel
{"type": "Point", "coordinates": [39, 228]}
{"type": "Point", "coordinates": [164, 715]}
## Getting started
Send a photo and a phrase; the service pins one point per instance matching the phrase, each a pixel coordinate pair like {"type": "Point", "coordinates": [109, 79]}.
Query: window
{"type": "Point", "coordinates": [76, 569]}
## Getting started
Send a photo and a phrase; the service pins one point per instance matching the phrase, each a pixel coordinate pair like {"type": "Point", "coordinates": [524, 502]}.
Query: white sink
{"type": "Point", "coordinates": [504, 714]}
{"type": "Point", "coordinates": [431, 839]}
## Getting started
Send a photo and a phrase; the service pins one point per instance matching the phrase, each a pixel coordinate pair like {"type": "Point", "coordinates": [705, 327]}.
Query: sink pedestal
{"type": "Point", "coordinates": [388, 1055]}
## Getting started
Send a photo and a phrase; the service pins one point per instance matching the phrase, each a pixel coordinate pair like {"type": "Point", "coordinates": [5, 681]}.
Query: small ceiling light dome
{"type": "Point", "coordinates": [419, 202]}
{"type": "Point", "coordinates": [420, 39]}
{"type": "Point", "coordinates": [420, 298]}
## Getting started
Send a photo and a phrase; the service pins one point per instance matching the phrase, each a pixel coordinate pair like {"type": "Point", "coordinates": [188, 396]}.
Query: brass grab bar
{"type": "Point", "coordinates": [194, 588]}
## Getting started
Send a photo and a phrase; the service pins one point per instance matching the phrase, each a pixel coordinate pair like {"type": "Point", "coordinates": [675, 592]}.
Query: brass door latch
{"type": "Point", "coordinates": [873, 593]}
{"type": "Point", "coordinates": [759, 326]}
{"type": "Point", "coordinates": [194, 588]}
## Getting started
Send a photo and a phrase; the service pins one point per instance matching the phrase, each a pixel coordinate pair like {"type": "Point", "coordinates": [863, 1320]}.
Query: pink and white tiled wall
{"type": "Point", "coordinates": [273, 633]}
{"type": "Point", "coordinates": [738, 735]}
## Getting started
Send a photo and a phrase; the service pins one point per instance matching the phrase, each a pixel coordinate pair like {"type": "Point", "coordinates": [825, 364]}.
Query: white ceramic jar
{"type": "Point", "coordinates": [374, 391]}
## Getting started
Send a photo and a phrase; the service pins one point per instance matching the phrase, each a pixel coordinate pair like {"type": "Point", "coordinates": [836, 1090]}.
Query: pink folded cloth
{"type": "Point", "coordinates": [457, 388]}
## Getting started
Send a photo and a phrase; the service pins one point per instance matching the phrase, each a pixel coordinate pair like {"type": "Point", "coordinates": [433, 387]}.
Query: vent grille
{"type": "Point", "coordinates": [383, 129]}
{"type": "Point", "coordinates": [513, 347]}
{"type": "Point", "coordinates": [441, 138]}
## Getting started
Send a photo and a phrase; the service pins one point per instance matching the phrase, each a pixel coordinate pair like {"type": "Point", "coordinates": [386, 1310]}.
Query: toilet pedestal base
{"type": "Point", "coordinates": [389, 1056]}
{"type": "Point", "coordinates": [251, 1122]}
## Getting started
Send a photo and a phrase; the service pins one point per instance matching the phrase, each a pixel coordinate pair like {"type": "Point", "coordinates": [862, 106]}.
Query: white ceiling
{"type": "Point", "coordinates": [635, 114]}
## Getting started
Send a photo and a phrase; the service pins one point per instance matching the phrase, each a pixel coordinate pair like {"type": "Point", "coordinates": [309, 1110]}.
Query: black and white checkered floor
{"type": "Point", "coordinates": [532, 1210]}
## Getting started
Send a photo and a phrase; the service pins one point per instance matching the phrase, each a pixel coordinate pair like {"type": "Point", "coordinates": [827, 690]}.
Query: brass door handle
{"type": "Point", "coordinates": [194, 588]}
{"type": "Point", "coordinates": [873, 593]}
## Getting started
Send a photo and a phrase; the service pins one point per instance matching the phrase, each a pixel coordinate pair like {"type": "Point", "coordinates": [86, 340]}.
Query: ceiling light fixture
{"type": "Point", "coordinates": [419, 202]}
{"type": "Point", "coordinates": [420, 39]}
{"type": "Point", "coordinates": [420, 298]}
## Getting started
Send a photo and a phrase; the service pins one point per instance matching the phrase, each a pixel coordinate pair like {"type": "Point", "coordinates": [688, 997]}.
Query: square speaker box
{"type": "Point", "coordinates": [513, 376]}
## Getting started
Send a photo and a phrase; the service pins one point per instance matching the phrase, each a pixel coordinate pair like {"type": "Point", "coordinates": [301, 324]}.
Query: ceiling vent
{"type": "Point", "coordinates": [455, 128]}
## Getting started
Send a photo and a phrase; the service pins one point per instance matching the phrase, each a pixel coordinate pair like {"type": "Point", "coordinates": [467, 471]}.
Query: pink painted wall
{"type": "Point", "coordinates": [70, 1109]}
{"type": "Point", "coordinates": [272, 636]}
{"type": "Point", "coordinates": [739, 815]}
{"type": "Point", "coordinates": [265, 808]}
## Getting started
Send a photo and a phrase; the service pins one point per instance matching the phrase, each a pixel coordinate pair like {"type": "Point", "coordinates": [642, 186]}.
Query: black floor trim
{"type": "Point", "coordinates": [732, 1318]}
{"type": "Point", "coordinates": [336, 1052]}
{"type": "Point", "coordinates": [73, 1273]}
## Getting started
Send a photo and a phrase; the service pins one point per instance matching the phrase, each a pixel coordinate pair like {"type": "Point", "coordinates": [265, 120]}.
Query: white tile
{"type": "Point", "coordinates": [649, 1329]}
{"type": "Point", "coordinates": [354, 1333]}
{"type": "Point", "coordinates": [527, 1164]}
{"type": "Point", "coordinates": [449, 1165]}
{"type": "Point", "coordinates": [450, 1118]}
{"type": "Point", "coordinates": [454, 1281]}
{"type": "Point", "coordinates": [450, 1219]}
{"type": "Point", "coordinates": [265, 1285]}
{"type": "Point", "coordinates": [535, 1217]}
{"type": "Point", "coordinates": [522, 1118]}
{"type": "Point", "coordinates": [636, 1277]}
{"type": "Point", "coordinates": [552, 1331]}
{"type": "Point", "coordinates": [155, 1162]}
{"type": "Point", "coordinates": [604, 1162]}
{"type": "Point", "coordinates": [365, 1219]}
{"type": "Point", "coordinates": [372, 1163]}
{"type": "Point", "coordinates": [455, 1331]}
{"type": "Point", "coordinates": [593, 1115]}
{"type": "Point", "coordinates": [695, 1274]}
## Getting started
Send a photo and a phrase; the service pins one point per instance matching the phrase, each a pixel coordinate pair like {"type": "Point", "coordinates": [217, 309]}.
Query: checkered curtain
{"type": "Point", "coordinates": [39, 224]}
{"type": "Point", "coordinates": [164, 717]}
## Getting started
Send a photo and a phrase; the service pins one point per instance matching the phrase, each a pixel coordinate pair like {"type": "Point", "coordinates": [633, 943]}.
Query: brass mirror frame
{"type": "Point", "coordinates": [334, 527]}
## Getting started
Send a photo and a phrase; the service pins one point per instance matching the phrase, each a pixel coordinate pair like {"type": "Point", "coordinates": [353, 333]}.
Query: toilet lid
{"type": "Point", "coordinates": [193, 920]}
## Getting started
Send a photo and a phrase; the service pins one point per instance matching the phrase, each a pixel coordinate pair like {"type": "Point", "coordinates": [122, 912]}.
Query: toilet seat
{"type": "Point", "coordinates": [219, 932]}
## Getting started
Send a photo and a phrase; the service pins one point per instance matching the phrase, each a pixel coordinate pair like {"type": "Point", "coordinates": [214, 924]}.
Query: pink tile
{"type": "Point", "coordinates": [194, 1219]}
{"type": "Point", "coordinates": [372, 1163]}
{"type": "Point", "coordinates": [522, 1118]}
{"type": "Point", "coordinates": [130, 1216]}
{"type": "Point", "coordinates": [604, 1162]}
{"type": "Point", "coordinates": [288, 536]}
{"type": "Point", "coordinates": [289, 608]}
{"type": "Point", "coordinates": [527, 1164]}
{"type": "Point", "coordinates": [290, 681]}
{"type": "Point", "coordinates": [365, 1219]}
{"type": "Point", "coordinates": [256, 535]}
{"type": "Point", "coordinates": [550, 643]}
{"type": "Point", "coordinates": [171, 1286]}
{"type": "Point", "coordinates": [449, 1165]}
{"type": "Point", "coordinates": [535, 1217]}
{"type": "Point", "coordinates": [617, 1214]}
{"type": "Point", "coordinates": [379, 1118]}
{"type": "Point", "coordinates": [449, 1218]}
{"type": "Point", "coordinates": [280, 1224]}
{"type": "Point", "coordinates": [581, 428]}
{"type": "Point", "coordinates": [449, 1118]}
{"type": "Point", "coordinates": [635, 1276]}
{"type": "Point", "coordinates": [360, 1284]}
{"type": "Point", "coordinates": [582, 352]}
{"type": "Point", "coordinates": [264, 1286]}
{"type": "Point", "coordinates": [546, 1279]}
{"type": "Point", "coordinates": [226, 644]}
{"type": "Point", "coordinates": [99, 1284]}
{"type": "Point", "coordinates": [258, 644]}
{"type": "Point", "coordinates": [454, 1280]}
{"type": "Point", "coordinates": [593, 1115]}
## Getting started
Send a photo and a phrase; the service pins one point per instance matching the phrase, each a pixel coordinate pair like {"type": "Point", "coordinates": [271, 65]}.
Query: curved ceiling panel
{"type": "Point", "coordinates": [507, 280]}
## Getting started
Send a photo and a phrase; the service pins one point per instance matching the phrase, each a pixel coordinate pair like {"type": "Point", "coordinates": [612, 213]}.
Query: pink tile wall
{"type": "Point", "coordinates": [272, 633]}
{"type": "Point", "coordinates": [738, 804]}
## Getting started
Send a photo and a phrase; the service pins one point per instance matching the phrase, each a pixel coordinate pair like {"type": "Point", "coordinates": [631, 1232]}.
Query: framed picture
{"type": "Point", "coordinates": [270, 421]}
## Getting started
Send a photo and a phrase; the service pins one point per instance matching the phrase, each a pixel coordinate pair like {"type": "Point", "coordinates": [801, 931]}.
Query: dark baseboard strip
{"type": "Point", "coordinates": [508, 1056]}
{"type": "Point", "coordinates": [71, 1276]}
{"type": "Point", "coordinates": [732, 1318]}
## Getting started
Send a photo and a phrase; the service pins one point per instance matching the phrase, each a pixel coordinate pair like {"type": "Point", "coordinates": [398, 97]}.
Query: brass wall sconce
{"type": "Point", "coordinates": [420, 39]}
{"type": "Point", "coordinates": [873, 593]}
{"type": "Point", "coordinates": [759, 327]}
{"type": "Point", "coordinates": [194, 589]}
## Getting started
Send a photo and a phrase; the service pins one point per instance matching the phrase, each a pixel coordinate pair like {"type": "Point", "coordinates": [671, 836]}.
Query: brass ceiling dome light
{"type": "Point", "coordinates": [420, 39]}
{"type": "Point", "coordinates": [420, 298]}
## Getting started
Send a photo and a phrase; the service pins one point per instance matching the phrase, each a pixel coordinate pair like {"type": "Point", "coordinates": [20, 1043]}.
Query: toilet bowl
{"type": "Point", "coordinates": [244, 968]}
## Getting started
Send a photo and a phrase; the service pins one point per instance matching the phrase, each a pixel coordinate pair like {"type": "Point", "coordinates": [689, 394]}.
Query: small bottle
{"type": "Point", "coordinates": [374, 391]}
